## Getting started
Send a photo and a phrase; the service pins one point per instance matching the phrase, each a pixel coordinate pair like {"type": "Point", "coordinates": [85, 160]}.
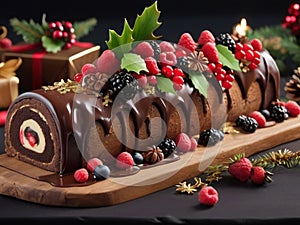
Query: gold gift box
{"type": "Point", "coordinates": [40, 68]}
{"type": "Point", "coordinates": [9, 90]}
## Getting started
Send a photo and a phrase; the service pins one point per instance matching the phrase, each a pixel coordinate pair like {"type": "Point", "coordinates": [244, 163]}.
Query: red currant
{"type": "Point", "coordinates": [78, 77]}
{"type": "Point", "coordinates": [252, 66]}
{"type": "Point", "coordinates": [239, 55]}
{"type": "Point", "coordinates": [238, 46]}
{"type": "Point", "coordinates": [177, 87]}
{"type": "Point", "coordinates": [226, 84]}
{"type": "Point", "coordinates": [229, 77]}
{"type": "Point", "coordinates": [249, 55]}
{"type": "Point", "coordinates": [178, 79]}
{"type": "Point", "coordinates": [212, 67]}
{"type": "Point", "coordinates": [167, 70]}
{"type": "Point", "coordinates": [152, 79]}
{"type": "Point", "coordinates": [256, 60]}
{"type": "Point", "coordinates": [247, 46]}
{"type": "Point", "coordinates": [178, 72]}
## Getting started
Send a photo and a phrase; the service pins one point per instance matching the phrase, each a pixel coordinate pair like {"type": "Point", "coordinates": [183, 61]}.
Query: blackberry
{"type": "Point", "coordinates": [226, 40]}
{"type": "Point", "coordinates": [247, 123]}
{"type": "Point", "coordinates": [278, 112]}
{"type": "Point", "coordinates": [123, 84]}
{"type": "Point", "coordinates": [167, 146]}
{"type": "Point", "coordinates": [210, 137]}
{"type": "Point", "coordinates": [182, 63]}
{"type": "Point", "coordinates": [156, 48]}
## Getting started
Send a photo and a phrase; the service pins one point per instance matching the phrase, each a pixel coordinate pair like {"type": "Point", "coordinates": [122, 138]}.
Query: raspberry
{"type": "Point", "coordinates": [166, 47]}
{"type": "Point", "coordinates": [125, 160]}
{"type": "Point", "coordinates": [210, 51]}
{"type": "Point", "coordinates": [208, 196]}
{"type": "Point", "coordinates": [259, 117]}
{"type": "Point", "coordinates": [241, 169]}
{"type": "Point", "coordinates": [92, 163]}
{"type": "Point", "coordinates": [142, 79]}
{"type": "Point", "coordinates": [183, 142]}
{"type": "Point", "coordinates": [81, 175]}
{"type": "Point", "coordinates": [144, 49]}
{"type": "Point", "coordinates": [258, 175]}
{"type": "Point", "coordinates": [256, 43]}
{"type": "Point", "coordinates": [168, 58]}
{"type": "Point", "coordinates": [206, 36]}
{"type": "Point", "coordinates": [186, 40]}
{"type": "Point", "coordinates": [88, 68]}
{"type": "Point", "coordinates": [151, 65]}
{"type": "Point", "coordinates": [293, 108]}
{"type": "Point", "coordinates": [5, 43]}
{"type": "Point", "coordinates": [108, 62]}
{"type": "Point", "coordinates": [194, 144]}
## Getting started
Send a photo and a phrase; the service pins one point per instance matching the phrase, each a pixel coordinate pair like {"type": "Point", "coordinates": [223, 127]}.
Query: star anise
{"type": "Point", "coordinates": [197, 61]}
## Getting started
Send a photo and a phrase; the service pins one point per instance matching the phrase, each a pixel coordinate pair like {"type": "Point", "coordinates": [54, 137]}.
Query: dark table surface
{"type": "Point", "coordinates": [277, 202]}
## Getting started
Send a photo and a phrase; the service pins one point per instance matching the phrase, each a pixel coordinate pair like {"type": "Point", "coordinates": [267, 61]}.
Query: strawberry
{"type": "Point", "coordinates": [144, 49]}
{"type": "Point", "coordinates": [208, 196]}
{"type": "Point", "coordinates": [293, 108]}
{"type": "Point", "coordinates": [259, 117]}
{"type": "Point", "coordinates": [210, 52]}
{"type": "Point", "coordinates": [125, 160]}
{"type": "Point", "coordinates": [186, 40]}
{"type": "Point", "coordinates": [258, 175]}
{"type": "Point", "coordinates": [240, 169]}
{"type": "Point", "coordinates": [183, 142]}
{"type": "Point", "coordinates": [206, 36]}
{"type": "Point", "coordinates": [108, 62]}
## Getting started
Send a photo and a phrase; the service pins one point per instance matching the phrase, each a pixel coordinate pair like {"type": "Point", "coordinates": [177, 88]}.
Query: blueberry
{"type": "Point", "coordinates": [101, 172]}
{"type": "Point", "coordinates": [138, 158]}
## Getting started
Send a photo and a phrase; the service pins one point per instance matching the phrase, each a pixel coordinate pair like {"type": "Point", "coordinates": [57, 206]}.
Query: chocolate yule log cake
{"type": "Point", "coordinates": [142, 96]}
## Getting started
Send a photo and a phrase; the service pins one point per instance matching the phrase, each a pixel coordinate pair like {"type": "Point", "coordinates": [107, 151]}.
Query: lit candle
{"type": "Point", "coordinates": [240, 30]}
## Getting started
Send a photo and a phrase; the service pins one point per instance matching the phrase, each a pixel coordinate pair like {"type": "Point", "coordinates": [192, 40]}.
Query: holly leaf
{"type": "Point", "coordinates": [116, 40]}
{"type": "Point", "coordinates": [52, 45]}
{"type": "Point", "coordinates": [146, 23]}
{"type": "Point", "coordinates": [227, 58]}
{"type": "Point", "coordinates": [133, 62]}
{"type": "Point", "coordinates": [30, 31]}
{"type": "Point", "coordinates": [164, 84]}
{"type": "Point", "coordinates": [199, 81]}
{"type": "Point", "coordinates": [83, 28]}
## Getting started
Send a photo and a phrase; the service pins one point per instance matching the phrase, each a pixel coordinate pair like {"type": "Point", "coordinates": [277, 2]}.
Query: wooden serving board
{"type": "Point", "coordinates": [18, 179]}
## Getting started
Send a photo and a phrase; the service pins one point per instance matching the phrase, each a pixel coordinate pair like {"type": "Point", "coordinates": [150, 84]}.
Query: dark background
{"type": "Point", "coordinates": [176, 16]}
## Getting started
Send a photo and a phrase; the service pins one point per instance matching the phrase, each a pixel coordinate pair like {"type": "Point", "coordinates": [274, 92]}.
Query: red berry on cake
{"type": "Point", "coordinates": [168, 58]}
{"type": "Point", "coordinates": [144, 49]}
{"type": "Point", "coordinates": [258, 175]}
{"type": "Point", "coordinates": [210, 52]}
{"type": "Point", "coordinates": [256, 43]}
{"type": "Point", "coordinates": [92, 163]}
{"type": "Point", "coordinates": [259, 117]}
{"type": "Point", "coordinates": [208, 196]}
{"type": "Point", "coordinates": [151, 65]}
{"type": "Point", "coordinates": [183, 142]}
{"type": "Point", "coordinates": [78, 77]}
{"type": "Point", "coordinates": [166, 46]}
{"type": "Point", "coordinates": [81, 175]}
{"type": "Point", "coordinates": [142, 79]}
{"type": "Point", "coordinates": [293, 108]}
{"type": "Point", "coordinates": [186, 40]}
{"type": "Point", "coordinates": [108, 62]}
{"type": "Point", "coordinates": [152, 80]}
{"type": "Point", "coordinates": [240, 169]}
{"type": "Point", "coordinates": [125, 160]}
{"type": "Point", "coordinates": [194, 144]}
{"type": "Point", "coordinates": [206, 36]}
{"type": "Point", "coordinates": [88, 68]}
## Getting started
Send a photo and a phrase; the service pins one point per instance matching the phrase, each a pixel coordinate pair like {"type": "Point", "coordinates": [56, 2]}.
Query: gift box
{"type": "Point", "coordinates": [8, 91]}
{"type": "Point", "coordinates": [41, 68]}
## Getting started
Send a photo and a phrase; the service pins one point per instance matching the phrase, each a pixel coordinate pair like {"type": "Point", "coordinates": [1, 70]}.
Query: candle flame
{"type": "Point", "coordinates": [242, 27]}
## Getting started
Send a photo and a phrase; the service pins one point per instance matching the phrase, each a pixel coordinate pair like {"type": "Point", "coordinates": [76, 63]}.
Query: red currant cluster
{"type": "Point", "coordinates": [292, 19]}
{"type": "Point", "coordinates": [175, 74]}
{"type": "Point", "coordinates": [248, 56]}
{"type": "Point", "coordinates": [62, 31]}
{"type": "Point", "coordinates": [223, 74]}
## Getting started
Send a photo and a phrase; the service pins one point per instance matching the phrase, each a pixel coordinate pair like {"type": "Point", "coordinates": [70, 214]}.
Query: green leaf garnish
{"type": "Point", "coordinates": [227, 58]}
{"type": "Point", "coordinates": [200, 82]}
{"type": "Point", "coordinates": [52, 45]}
{"type": "Point", "coordinates": [164, 84]}
{"type": "Point", "coordinates": [146, 23]}
{"type": "Point", "coordinates": [31, 31]}
{"type": "Point", "coordinates": [133, 62]}
{"type": "Point", "coordinates": [116, 40]}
